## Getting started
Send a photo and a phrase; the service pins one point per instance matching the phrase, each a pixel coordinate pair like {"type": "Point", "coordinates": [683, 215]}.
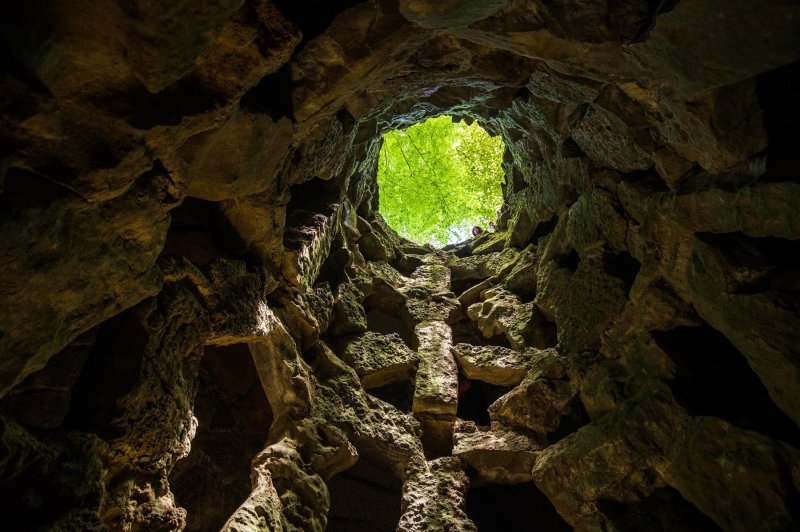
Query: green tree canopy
{"type": "Point", "coordinates": [438, 179]}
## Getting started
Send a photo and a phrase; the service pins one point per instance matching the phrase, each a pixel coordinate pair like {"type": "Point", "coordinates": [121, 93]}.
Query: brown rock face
{"type": "Point", "coordinates": [206, 323]}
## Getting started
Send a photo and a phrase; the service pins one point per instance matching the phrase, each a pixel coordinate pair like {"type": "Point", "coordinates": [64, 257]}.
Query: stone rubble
{"type": "Point", "coordinates": [206, 323]}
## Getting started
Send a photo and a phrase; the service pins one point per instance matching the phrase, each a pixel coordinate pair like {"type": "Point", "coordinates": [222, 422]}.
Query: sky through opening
{"type": "Point", "coordinates": [438, 179]}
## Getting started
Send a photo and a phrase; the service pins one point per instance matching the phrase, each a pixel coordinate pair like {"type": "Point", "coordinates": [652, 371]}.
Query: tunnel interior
{"type": "Point", "coordinates": [233, 419]}
{"type": "Point", "coordinates": [516, 507]}
{"type": "Point", "coordinates": [210, 319]}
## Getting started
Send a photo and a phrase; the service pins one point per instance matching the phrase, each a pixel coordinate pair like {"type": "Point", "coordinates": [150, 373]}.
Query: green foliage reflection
{"type": "Point", "coordinates": [438, 179]}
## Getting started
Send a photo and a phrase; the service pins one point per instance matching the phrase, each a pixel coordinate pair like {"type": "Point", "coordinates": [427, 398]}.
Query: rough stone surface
{"type": "Point", "coordinates": [206, 322]}
{"type": "Point", "coordinates": [480, 266]}
{"type": "Point", "coordinates": [437, 383]}
{"type": "Point", "coordinates": [348, 314]}
{"type": "Point", "coordinates": [433, 497]}
{"type": "Point", "coordinates": [502, 313]}
{"type": "Point", "coordinates": [379, 359]}
{"type": "Point", "coordinates": [493, 364]}
{"type": "Point", "coordinates": [307, 240]}
{"type": "Point", "coordinates": [540, 400]}
{"type": "Point", "coordinates": [498, 454]}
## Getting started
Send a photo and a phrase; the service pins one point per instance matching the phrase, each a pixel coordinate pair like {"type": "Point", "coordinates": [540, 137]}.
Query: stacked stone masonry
{"type": "Point", "coordinates": [205, 322]}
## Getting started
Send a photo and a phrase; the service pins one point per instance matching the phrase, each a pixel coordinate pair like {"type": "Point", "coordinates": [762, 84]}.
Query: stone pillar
{"type": "Point", "coordinates": [436, 391]}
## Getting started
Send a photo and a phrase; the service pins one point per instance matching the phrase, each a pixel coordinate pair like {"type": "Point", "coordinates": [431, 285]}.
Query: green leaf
{"type": "Point", "coordinates": [438, 179]}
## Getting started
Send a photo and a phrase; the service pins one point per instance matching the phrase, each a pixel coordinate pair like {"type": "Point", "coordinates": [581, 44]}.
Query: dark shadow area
{"type": "Point", "coordinates": [570, 149]}
{"type": "Point", "coordinates": [765, 264]}
{"type": "Point", "coordinates": [544, 229]}
{"type": "Point", "coordinates": [647, 182]}
{"type": "Point", "coordinates": [386, 314]}
{"type": "Point", "coordinates": [110, 372]}
{"type": "Point", "coordinates": [437, 434]}
{"type": "Point", "coordinates": [364, 498]}
{"type": "Point", "coordinates": [46, 483]}
{"type": "Point", "coordinates": [516, 181]}
{"type": "Point", "coordinates": [777, 94]}
{"type": "Point", "coordinates": [512, 508]}
{"type": "Point", "coordinates": [714, 379]}
{"type": "Point", "coordinates": [570, 422]}
{"type": "Point", "coordinates": [313, 16]}
{"type": "Point", "coordinates": [381, 322]}
{"type": "Point", "coordinates": [500, 340]}
{"type": "Point", "coordinates": [406, 264]}
{"type": "Point", "coordinates": [460, 250]}
{"type": "Point", "coordinates": [333, 269]}
{"type": "Point", "coordinates": [541, 333]}
{"type": "Point", "coordinates": [460, 286]}
{"type": "Point", "coordinates": [398, 394]}
{"type": "Point", "coordinates": [475, 397]}
{"type": "Point", "coordinates": [633, 21]}
{"type": "Point", "coordinates": [42, 400]}
{"type": "Point", "coordinates": [312, 196]}
{"type": "Point", "coordinates": [144, 110]}
{"type": "Point", "coordinates": [29, 84]}
{"type": "Point", "coordinates": [234, 418]}
{"type": "Point", "coordinates": [621, 265]}
{"type": "Point", "coordinates": [192, 232]}
{"type": "Point", "coordinates": [24, 190]}
{"type": "Point", "coordinates": [466, 332]}
{"type": "Point", "coordinates": [664, 510]}
{"type": "Point", "coordinates": [272, 95]}
{"type": "Point", "coordinates": [568, 260]}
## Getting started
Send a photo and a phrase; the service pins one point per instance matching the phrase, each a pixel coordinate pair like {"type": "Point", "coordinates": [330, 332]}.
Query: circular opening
{"type": "Point", "coordinates": [438, 179]}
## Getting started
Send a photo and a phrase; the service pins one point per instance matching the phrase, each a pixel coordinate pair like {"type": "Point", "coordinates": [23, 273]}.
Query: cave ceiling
{"type": "Point", "coordinates": [206, 323]}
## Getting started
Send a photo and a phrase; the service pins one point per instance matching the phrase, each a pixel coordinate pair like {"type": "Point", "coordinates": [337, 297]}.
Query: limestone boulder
{"type": "Point", "coordinates": [493, 364]}
{"type": "Point", "coordinates": [372, 244]}
{"type": "Point", "coordinates": [256, 222]}
{"type": "Point", "coordinates": [377, 430]}
{"type": "Point", "coordinates": [307, 315]}
{"type": "Point", "coordinates": [379, 359]}
{"type": "Point", "coordinates": [606, 139]}
{"type": "Point", "coordinates": [498, 454]}
{"type": "Point", "coordinates": [594, 221]}
{"type": "Point", "coordinates": [348, 313]}
{"type": "Point", "coordinates": [756, 464]}
{"type": "Point", "coordinates": [606, 460]}
{"type": "Point", "coordinates": [480, 266]}
{"type": "Point", "coordinates": [434, 307]}
{"type": "Point", "coordinates": [434, 496]}
{"type": "Point", "coordinates": [541, 400]}
{"type": "Point", "coordinates": [491, 243]}
{"type": "Point", "coordinates": [582, 303]}
{"type": "Point", "coordinates": [472, 295]}
{"type": "Point", "coordinates": [38, 251]}
{"type": "Point", "coordinates": [307, 241]}
{"type": "Point", "coordinates": [502, 313]}
{"type": "Point", "coordinates": [240, 158]}
{"type": "Point", "coordinates": [523, 276]}
{"type": "Point", "coordinates": [521, 228]}
{"type": "Point", "coordinates": [436, 388]}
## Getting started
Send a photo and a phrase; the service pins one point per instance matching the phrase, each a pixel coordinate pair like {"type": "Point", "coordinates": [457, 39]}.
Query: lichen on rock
{"type": "Point", "coordinates": [206, 322]}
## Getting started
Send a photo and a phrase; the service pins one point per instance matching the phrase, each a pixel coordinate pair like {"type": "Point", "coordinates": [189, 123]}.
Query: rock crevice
{"type": "Point", "coordinates": [205, 321]}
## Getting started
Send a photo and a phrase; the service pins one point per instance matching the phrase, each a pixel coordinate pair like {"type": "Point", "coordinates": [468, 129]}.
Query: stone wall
{"type": "Point", "coordinates": [205, 322]}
